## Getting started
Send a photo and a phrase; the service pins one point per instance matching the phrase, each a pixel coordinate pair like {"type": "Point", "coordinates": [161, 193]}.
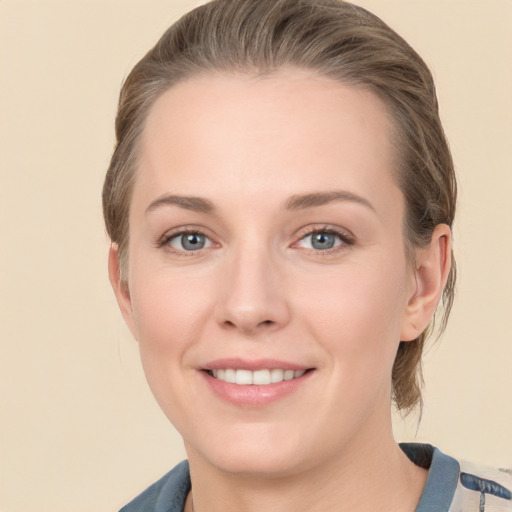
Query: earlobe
{"type": "Point", "coordinates": [120, 288]}
{"type": "Point", "coordinates": [432, 268]}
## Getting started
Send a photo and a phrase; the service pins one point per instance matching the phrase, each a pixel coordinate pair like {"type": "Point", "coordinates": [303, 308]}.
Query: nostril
{"type": "Point", "coordinates": [253, 327]}
{"type": "Point", "coordinates": [265, 324]}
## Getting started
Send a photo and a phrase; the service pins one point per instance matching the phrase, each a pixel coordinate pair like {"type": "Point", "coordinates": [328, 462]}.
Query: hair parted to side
{"type": "Point", "coordinates": [338, 40]}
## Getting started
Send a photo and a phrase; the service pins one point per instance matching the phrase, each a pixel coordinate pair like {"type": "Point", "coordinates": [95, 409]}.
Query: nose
{"type": "Point", "coordinates": [253, 295]}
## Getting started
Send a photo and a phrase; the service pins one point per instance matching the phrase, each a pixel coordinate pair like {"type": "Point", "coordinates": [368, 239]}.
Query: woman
{"type": "Point", "coordinates": [280, 203]}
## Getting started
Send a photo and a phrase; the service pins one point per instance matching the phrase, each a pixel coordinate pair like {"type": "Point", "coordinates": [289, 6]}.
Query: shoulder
{"type": "Point", "coordinates": [166, 495]}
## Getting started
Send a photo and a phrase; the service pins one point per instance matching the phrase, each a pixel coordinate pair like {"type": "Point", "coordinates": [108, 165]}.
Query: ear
{"type": "Point", "coordinates": [120, 288]}
{"type": "Point", "coordinates": [432, 267]}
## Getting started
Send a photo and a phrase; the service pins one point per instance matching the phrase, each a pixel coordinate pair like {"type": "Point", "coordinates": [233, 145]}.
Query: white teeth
{"type": "Point", "coordinates": [289, 374]}
{"type": "Point", "coordinates": [261, 377]}
{"type": "Point", "coordinates": [230, 376]}
{"type": "Point", "coordinates": [243, 377]}
{"type": "Point", "coordinates": [258, 377]}
{"type": "Point", "coordinates": [276, 375]}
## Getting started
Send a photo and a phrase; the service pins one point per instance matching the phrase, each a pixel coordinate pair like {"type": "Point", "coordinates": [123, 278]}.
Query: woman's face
{"type": "Point", "coordinates": [266, 243]}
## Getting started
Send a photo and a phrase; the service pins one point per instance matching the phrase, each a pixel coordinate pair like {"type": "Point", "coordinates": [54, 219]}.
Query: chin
{"type": "Point", "coordinates": [258, 465]}
{"type": "Point", "coordinates": [254, 451]}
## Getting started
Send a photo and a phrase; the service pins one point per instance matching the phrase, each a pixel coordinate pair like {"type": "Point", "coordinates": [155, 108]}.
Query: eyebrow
{"type": "Point", "coordinates": [295, 202]}
{"type": "Point", "coordinates": [196, 204]}
{"type": "Point", "coordinates": [303, 201]}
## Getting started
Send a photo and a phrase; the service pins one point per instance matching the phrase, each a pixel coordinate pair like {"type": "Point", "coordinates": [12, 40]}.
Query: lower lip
{"type": "Point", "coordinates": [253, 395]}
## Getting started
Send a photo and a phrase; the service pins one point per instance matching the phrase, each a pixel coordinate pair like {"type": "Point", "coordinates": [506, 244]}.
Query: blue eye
{"type": "Point", "coordinates": [321, 240]}
{"type": "Point", "coordinates": [189, 242]}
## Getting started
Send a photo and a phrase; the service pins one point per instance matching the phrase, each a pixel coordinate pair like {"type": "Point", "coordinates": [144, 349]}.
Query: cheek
{"type": "Point", "coordinates": [356, 313]}
{"type": "Point", "coordinates": [169, 318]}
{"type": "Point", "coordinates": [167, 307]}
{"type": "Point", "coordinates": [167, 310]}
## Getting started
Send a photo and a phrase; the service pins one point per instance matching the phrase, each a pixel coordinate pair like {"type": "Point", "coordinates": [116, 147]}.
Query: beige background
{"type": "Point", "coordinates": [79, 430]}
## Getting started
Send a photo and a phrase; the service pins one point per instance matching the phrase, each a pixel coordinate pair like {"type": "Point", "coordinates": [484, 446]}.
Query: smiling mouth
{"type": "Point", "coordinates": [257, 378]}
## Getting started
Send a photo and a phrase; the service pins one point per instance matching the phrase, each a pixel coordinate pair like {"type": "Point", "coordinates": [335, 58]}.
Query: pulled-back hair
{"type": "Point", "coordinates": [337, 40]}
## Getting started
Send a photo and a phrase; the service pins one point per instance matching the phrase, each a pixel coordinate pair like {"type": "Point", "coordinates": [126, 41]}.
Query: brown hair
{"type": "Point", "coordinates": [337, 40]}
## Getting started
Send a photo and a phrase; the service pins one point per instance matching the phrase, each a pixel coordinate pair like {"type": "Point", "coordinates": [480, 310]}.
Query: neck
{"type": "Point", "coordinates": [373, 474]}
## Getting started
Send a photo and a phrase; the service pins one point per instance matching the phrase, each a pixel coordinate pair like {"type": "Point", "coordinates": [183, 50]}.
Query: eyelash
{"type": "Point", "coordinates": [346, 239]}
{"type": "Point", "coordinates": [168, 237]}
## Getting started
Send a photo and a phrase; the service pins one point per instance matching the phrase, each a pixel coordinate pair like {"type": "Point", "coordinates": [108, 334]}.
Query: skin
{"type": "Point", "coordinates": [258, 289]}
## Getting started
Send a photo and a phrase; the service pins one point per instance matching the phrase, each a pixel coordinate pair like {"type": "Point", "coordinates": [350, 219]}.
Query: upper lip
{"type": "Point", "coordinates": [253, 365]}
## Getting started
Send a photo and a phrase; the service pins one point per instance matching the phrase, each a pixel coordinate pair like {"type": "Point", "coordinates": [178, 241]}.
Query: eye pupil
{"type": "Point", "coordinates": [323, 240]}
{"type": "Point", "coordinates": [192, 241]}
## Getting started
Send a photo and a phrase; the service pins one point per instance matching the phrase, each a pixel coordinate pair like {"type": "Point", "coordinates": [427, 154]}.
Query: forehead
{"type": "Point", "coordinates": [292, 130]}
